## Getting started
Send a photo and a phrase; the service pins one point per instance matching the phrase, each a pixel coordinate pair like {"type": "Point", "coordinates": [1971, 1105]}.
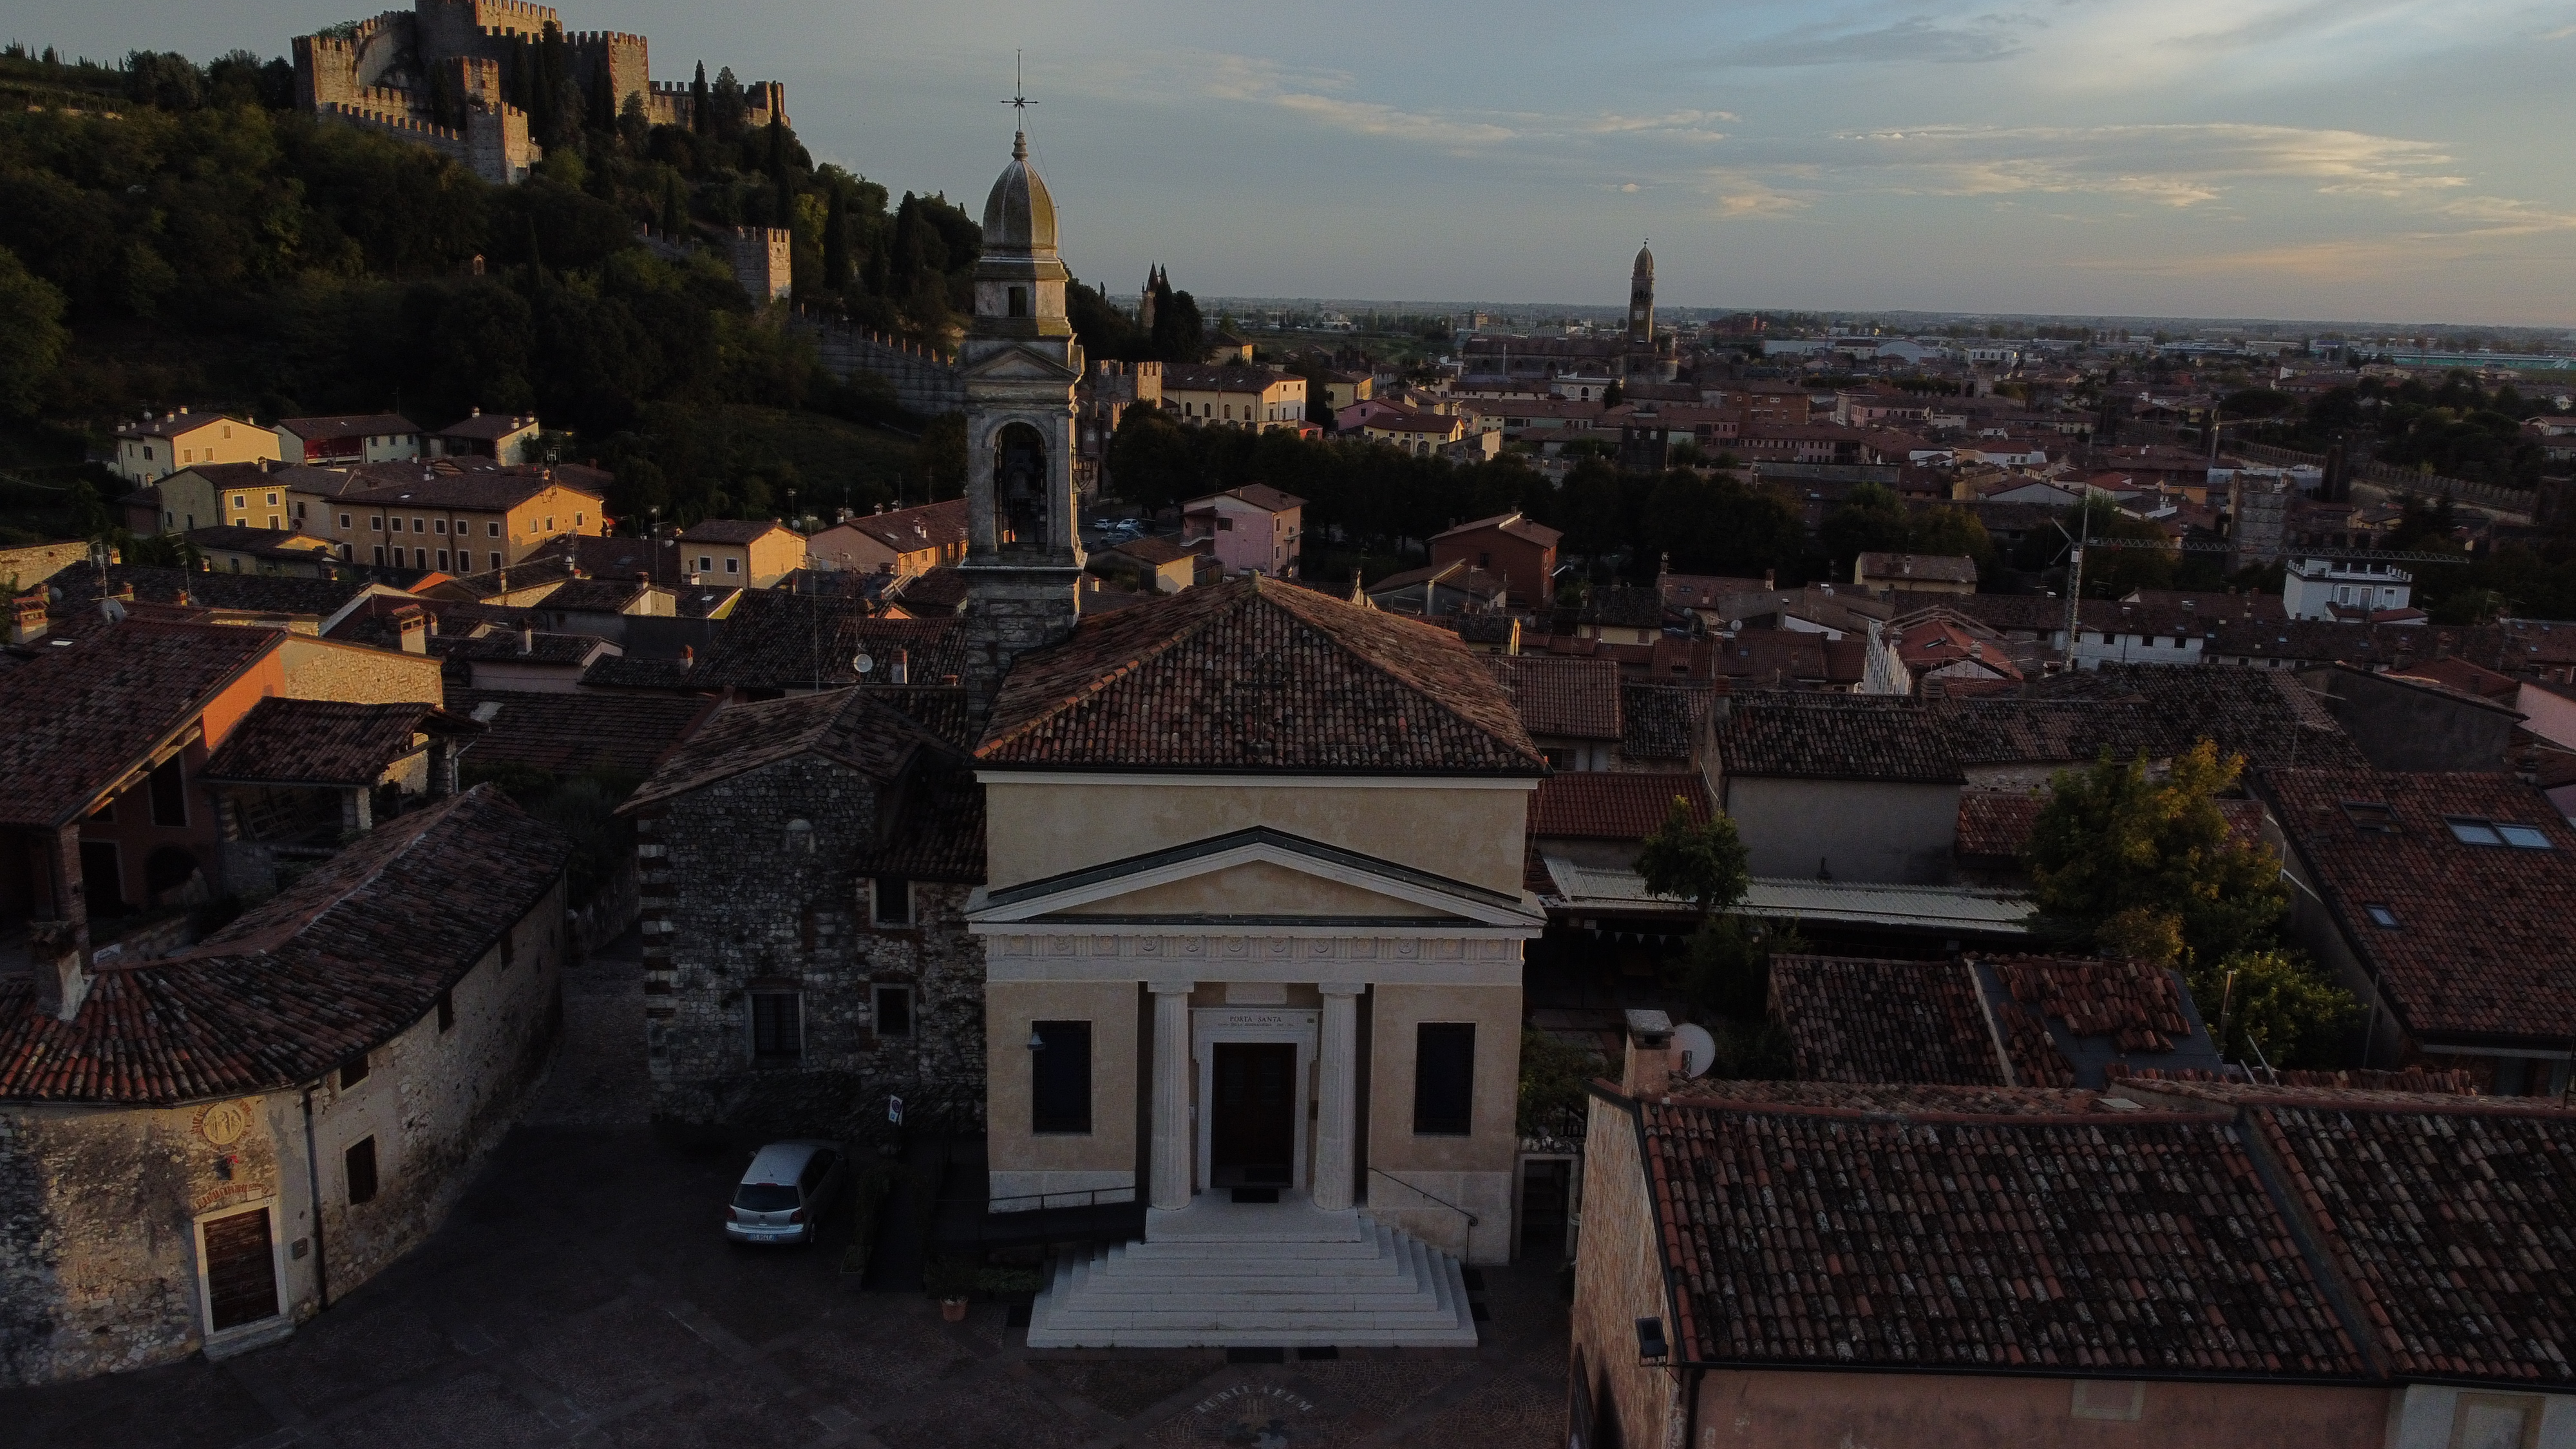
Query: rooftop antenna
{"type": "Point", "coordinates": [1019, 104]}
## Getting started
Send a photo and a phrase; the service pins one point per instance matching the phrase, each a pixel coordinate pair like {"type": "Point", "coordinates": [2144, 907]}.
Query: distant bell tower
{"type": "Point", "coordinates": [1641, 300]}
{"type": "Point", "coordinates": [1020, 365]}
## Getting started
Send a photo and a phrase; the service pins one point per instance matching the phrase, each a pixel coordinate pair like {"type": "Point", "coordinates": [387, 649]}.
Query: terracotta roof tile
{"type": "Point", "coordinates": [1251, 674]}
{"type": "Point", "coordinates": [1836, 737]}
{"type": "Point", "coordinates": [1606, 805]}
{"type": "Point", "coordinates": [2049, 1236]}
{"type": "Point", "coordinates": [324, 741]}
{"type": "Point", "coordinates": [2478, 946]}
{"type": "Point", "coordinates": [85, 710]}
{"type": "Point", "coordinates": [573, 733]}
{"type": "Point", "coordinates": [1663, 721]}
{"type": "Point", "coordinates": [337, 964]}
{"type": "Point", "coordinates": [1884, 1021]}
{"type": "Point", "coordinates": [2450, 1226]}
{"type": "Point", "coordinates": [856, 727]}
{"type": "Point", "coordinates": [1565, 698]}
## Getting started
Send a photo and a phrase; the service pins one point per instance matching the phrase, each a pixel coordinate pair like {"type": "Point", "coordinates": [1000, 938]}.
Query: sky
{"type": "Point", "coordinates": [2368, 160]}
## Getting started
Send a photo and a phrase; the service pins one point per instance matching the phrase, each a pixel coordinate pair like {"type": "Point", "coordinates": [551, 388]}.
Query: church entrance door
{"type": "Point", "coordinates": [1252, 1139]}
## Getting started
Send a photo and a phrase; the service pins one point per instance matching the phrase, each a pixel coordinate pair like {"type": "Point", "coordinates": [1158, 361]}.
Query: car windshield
{"type": "Point", "coordinates": [765, 1197]}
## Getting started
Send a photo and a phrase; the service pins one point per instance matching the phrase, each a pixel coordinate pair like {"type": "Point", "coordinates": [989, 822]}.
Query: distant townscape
{"type": "Point", "coordinates": [1274, 878]}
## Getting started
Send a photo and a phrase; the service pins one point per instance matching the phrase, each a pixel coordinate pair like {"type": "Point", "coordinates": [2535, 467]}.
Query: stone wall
{"type": "Point", "coordinates": [924, 382]}
{"type": "Point", "coordinates": [100, 1206]}
{"type": "Point", "coordinates": [735, 900]}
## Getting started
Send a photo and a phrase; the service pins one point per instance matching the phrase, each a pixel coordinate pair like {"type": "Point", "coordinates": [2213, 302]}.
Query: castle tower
{"type": "Point", "coordinates": [1020, 365]}
{"type": "Point", "coordinates": [1641, 300]}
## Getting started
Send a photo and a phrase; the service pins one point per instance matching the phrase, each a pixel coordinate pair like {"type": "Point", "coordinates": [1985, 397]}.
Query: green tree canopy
{"type": "Point", "coordinates": [1704, 864]}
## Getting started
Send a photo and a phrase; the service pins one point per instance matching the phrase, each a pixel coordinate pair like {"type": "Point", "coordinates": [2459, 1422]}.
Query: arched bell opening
{"type": "Point", "coordinates": [1019, 487]}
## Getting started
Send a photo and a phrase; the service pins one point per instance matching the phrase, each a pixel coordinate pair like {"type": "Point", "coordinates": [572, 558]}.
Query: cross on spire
{"type": "Point", "coordinates": [1019, 104]}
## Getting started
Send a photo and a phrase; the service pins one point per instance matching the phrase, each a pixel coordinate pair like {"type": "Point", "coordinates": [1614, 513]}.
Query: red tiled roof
{"type": "Point", "coordinates": [324, 741]}
{"type": "Point", "coordinates": [1252, 674]}
{"type": "Point", "coordinates": [1510, 523]}
{"type": "Point", "coordinates": [1884, 1021]}
{"type": "Point", "coordinates": [1558, 697]}
{"type": "Point", "coordinates": [2049, 1237]}
{"type": "Point", "coordinates": [852, 726]}
{"type": "Point", "coordinates": [911, 530]}
{"type": "Point", "coordinates": [1663, 721]}
{"type": "Point", "coordinates": [573, 733]}
{"type": "Point", "coordinates": [732, 530]}
{"type": "Point", "coordinates": [2450, 1226]}
{"type": "Point", "coordinates": [84, 712]}
{"type": "Point", "coordinates": [1607, 805]}
{"type": "Point", "coordinates": [350, 425]}
{"type": "Point", "coordinates": [1259, 495]}
{"type": "Point", "coordinates": [337, 964]}
{"type": "Point", "coordinates": [1836, 737]}
{"type": "Point", "coordinates": [1933, 567]}
{"type": "Point", "coordinates": [2138, 1006]}
{"type": "Point", "coordinates": [2480, 949]}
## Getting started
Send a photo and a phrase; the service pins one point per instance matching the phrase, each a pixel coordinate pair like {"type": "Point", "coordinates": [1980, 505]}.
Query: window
{"type": "Point", "coordinates": [495, 526]}
{"type": "Point", "coordinates": [706, 565]}
{"type": "Point", "coordinates": [420, 525]}
{"type": "Point", "coordinates": [550, 523]}
{"type": "Point", "coordinates": [892, 900]}
{"type": "Point", "coordinates": [358, 1169]}
{"type": "Point", "coordinates": [1060, 1076]}
{"type": "Point", "coordinates": [380, 555]}
{"type": "Point", "coordinates": [777, 1027]}
{"type": "Point", "coordinates": [376, 522]}
{"type": "Point", "coordinates": [353, 1071]}
{"type": "Point", "coordinates": [2488, 832]}
{"type": "Point", "coordinates": [446, 1010]}
{"type": "Point", "coordinates": [817, 1168]}
{"type": "Point", "coordinates": [441, 525]}
{"type": "Point", "coordinates": [576, 520]}
{"type": "Point", "coordinates": [2524, 837]}
{"type": "Point", "coordinates": [893, 1010]}
{"type": "Point", "coordinates": [496, 559]}
{"type": "Point", "coordinates": [169, 793]}
{"type": "Point", "coordinates": [241, 503]}
{"type": "Point", "coordinates": [2371, 818]}
{"type": "Point", "coordinates": [1019, 301]}
{"type": "Point", "coordinates": [2473, 832]}
{"type": "Point", "coordinates": [1444, 1078]}
{"type": "Point", "coordinates": [397, 525]}
{"type": "Point", "coordinates": [344, 523]}
{"type": "Point", "coordinates": [272, 500]}
{"type": "Point", "coordinates": [420, 558]}
{"type": "Point", "coordinates": [442, 558]}
{"type": "Point", "coordinates": [2381, 916]}
{"type": "Point", "coordinates": [733, 565]}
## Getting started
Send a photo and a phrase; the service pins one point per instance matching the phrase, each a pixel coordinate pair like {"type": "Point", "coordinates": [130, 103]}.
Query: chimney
{"type": "Point", "coordinates": [688, 656]}
{"type": "Point", "coordinates": [1649, 1068]}
{"type": "Point", "coordinates": [902, 669]}
{"type": "Point", "coordinates": [413, 622]}
{"type": "Point", "coordinates": [58, 950]}
{"type": "Point", "coordinates": [27, 617]}
{"type": "Point", "coordinates": [527, 639]}
{"type": "Point", "coordinates": [1770, 580]}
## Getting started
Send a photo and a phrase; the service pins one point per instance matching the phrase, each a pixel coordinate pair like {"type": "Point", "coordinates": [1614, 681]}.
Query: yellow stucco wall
{"type": "Point", "coordinates": [324, 669]}
{"type": "Point", "coordinates": [1010, 1009]}
{"type": "Point", "coordinates": [1038, 830]}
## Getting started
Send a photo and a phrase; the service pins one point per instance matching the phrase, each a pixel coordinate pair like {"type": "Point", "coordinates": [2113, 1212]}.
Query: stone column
{"type": "Point", "coordinates": [1337, 1087]}
{"type": "Point", "coordinates": [1173, 1140]}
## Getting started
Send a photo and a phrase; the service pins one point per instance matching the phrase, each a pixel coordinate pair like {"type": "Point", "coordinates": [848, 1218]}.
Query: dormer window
{"type": "Point", "coordinates": [2371, 818]}
{"type": "Point", "coordinates": [1019, 301]}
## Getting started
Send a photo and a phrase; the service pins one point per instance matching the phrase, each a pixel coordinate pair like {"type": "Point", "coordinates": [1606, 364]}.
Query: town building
{"type": "Point", "coordinates": [352, 438]}
{"type": "Point", "coordinates": [748, 552]}
{"type": "Point", "coordinates": [203, 1149]}
{"type": "Point", "coordinates": [2416, 891]}
{"type": "Point", "coordinates": [1917, 572]}
{"type": "Point", "coordinates": [1987, 1021]}
{"type": "Point", "coordinates": [2353, 589]}
{"type": "Point", "coordinates": [509, 439]}
{"type": "Point", "coordinates": [1840, 788]}
{"type": "Point", "coordinates": [1240, 396]}
{"type": "Point", "coordinates": [240, 550]}
{"type": "Point", "coordinates": [1783, 1264]}
{"type": "Point", "coordinates": [457, 519]}
{"type": "Point", "coordinates": [1520, 552]}
{"type": "Point", "coordinates": [899, 541]}
{"type": "Point", "coordinates": [156, 447]}
{"type": "Point", "coordinates": [1253, 529]}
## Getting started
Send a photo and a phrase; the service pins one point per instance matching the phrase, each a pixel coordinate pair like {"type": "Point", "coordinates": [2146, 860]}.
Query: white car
{"type": "Point", "coordinates": [786, 1191]}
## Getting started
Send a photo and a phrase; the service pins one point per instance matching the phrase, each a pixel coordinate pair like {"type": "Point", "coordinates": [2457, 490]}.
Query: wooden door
{"type": "Point", "coordinates": [241, 1269]}
{"type": "Point", "coordinates": [1252, 1140]}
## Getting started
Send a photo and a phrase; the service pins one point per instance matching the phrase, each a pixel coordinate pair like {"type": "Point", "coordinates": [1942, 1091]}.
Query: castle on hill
{"type": "Point", "coordinates": [443, 75]}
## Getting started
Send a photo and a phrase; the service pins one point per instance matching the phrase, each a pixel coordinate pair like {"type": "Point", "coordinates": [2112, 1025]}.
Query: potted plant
{"type": "Point", "coordinates": [951, 1281]}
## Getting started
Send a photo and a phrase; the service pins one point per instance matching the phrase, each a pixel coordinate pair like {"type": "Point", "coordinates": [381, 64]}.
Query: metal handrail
{"type": "Point", "coordinates": [1090, 1198]}
{"type": "Point", "coordinates": [1472, 1219]}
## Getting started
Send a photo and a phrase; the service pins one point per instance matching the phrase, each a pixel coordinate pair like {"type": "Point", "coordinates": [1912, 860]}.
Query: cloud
{"type": "Point", "coordinates": [2179, 165]}
{"type": "Point", "coordinates": [1748, 196]}
{"type": "Point", "coordinates": [1305, 94]}
{"type": "Point", "coordinates": [1915, 39]}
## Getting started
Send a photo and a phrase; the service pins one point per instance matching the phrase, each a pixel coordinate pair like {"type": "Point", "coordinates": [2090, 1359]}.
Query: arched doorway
{"type": "Point", "coordinates": [1019, 486]}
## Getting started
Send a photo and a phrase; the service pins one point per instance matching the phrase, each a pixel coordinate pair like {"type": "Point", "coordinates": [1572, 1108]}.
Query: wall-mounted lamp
{"type": "Point", "coordinates": [1037, 1043]}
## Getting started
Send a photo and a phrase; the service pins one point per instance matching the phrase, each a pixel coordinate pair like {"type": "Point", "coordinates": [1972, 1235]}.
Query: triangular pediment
{"type": "Point", "coordinates": [1021, 364]}
{"type": "Point", "coordinates": [1254, 875]}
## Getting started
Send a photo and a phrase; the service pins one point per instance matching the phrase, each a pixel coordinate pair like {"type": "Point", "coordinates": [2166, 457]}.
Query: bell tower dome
{"type": "Point", "coordinates": [1020, 365]}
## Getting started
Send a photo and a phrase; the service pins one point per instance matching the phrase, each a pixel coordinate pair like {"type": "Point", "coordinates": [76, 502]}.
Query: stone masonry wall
{"type": "Point", "coordinates": [99, 1206]}
{"type": "Point", "coordinates": [924, 382]}
{"type": "Point", "coordinates": [734, 900]}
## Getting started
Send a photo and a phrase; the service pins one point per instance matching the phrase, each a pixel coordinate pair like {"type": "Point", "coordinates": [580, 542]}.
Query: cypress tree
{"type": "Point", "coordinates": [698, 101]}
{"type": "Point", "coordinates": [836, 241]}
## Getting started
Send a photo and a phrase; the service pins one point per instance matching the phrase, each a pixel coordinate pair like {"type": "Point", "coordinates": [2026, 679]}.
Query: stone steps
{"type": "Point", "coordinates": [1344, 1281]}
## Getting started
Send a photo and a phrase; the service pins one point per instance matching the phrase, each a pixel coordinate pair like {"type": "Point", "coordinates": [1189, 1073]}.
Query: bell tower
{"type": "Point", "coordinates": [1020, 365]}
{"type": "Point", "coordinates": [1641, 301]}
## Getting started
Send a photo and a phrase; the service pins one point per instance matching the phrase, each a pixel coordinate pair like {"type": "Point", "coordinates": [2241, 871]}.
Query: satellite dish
{"type": "Point", "coordinates": [1694, 1049]}
{"type": "Point", "coordinates": [861, 662]}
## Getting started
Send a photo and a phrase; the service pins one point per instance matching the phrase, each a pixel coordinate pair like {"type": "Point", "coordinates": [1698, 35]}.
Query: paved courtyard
{"type": "Point", "coordinates": [582, 1294]}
